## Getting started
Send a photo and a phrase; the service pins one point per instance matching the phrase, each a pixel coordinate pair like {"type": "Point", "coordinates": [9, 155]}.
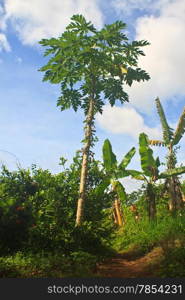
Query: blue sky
{"type": "Point", "coordinates": [34, 130]}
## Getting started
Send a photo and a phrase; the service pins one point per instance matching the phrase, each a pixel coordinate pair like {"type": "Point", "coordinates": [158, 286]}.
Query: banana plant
{"type": "Point", "coordinates": [114, 171]}
{"type": "Point", "coordinates": [171, 138]}
{"type": "Point", "coordinates": [150, 172]}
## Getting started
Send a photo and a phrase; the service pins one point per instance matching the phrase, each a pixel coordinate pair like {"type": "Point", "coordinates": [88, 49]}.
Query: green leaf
{"type": "Point", "coordinates": [88, 62]}
{"type": "Point", "coordinates": [167, 131]}
{"type": "Point", "coordinates": [172, 172]}
{"type": "Point", "coordinates": [134, 173]}
{"type": "Point", "coordinates": [109, 158]}
{"type": "Point", "coordinates": [80, 24]}
{"type": "Point", "coordinates": [126, 160]}
{"type": "Point", "coordinates": [157, 161]}
{"type": "Point", "coordinates": [99, 190]}
{"type": "Point", "coordinates": [148, 163]}
{"type": "Point", "coordinates": [120, 190]}
{"type": "Point", "coordinates": [180, 129]}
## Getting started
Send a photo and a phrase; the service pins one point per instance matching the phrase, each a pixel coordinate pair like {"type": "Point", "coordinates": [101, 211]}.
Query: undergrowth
{"type": "Point", "coordinates": [167, 232]}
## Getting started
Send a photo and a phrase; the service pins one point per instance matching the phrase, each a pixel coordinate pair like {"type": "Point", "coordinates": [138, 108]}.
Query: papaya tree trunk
{"type": "Point", "coordinates": [85, 159]}
{"type": "Point", "coordinates": [151, 202]}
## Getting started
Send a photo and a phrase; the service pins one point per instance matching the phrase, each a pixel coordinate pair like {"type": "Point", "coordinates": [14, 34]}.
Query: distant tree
{"type": "Point", "coordinates": [114, 171]}
{"type": "Point", "coordinates": [91, 66]}
{"type": "Point", "coordinates": [151, 174]}
{"type": "Point", "coordinates": [150, 171]}
{"type": "Point", "coordinates": [170, 140]}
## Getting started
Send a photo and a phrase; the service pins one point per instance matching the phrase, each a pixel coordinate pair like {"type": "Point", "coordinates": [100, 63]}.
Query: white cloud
{"type": "Point", "coordinates": [2, 19]}
{"type": "Point", "coordinates": [4, 45]}
{"type": "Point", "coordinates": [164, 59]}
{"type": "Point", "coordinates": [37, 19]}
{"type": "Point", "coordinates": [125, 120]}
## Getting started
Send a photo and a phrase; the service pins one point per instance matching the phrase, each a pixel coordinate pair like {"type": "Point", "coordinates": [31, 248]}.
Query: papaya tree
{"type": "Point", "coordinates": [171, 138]}
{"type": "Point", "coordinates": [91, 66]}
{"type": "Point", "coordinates": [114, 171]}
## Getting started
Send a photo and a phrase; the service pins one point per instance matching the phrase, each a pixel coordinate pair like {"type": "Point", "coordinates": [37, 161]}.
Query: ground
{"type": "Point", "coordinates": [128, 265]}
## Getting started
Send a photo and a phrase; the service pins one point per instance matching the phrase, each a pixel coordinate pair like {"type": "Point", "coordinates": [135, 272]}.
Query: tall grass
{"type": "Point", "coordinates": [163, 232]}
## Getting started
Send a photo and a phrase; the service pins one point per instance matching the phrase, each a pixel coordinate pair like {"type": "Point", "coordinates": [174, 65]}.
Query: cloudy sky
{"type": "Point", "coordinates": [32, 128]}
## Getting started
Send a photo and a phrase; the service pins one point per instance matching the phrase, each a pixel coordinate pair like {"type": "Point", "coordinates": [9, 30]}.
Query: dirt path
{"type": "Point", "coordinates": [123, 265]}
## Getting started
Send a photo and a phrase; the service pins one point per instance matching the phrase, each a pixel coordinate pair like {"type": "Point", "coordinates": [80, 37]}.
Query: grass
{"type": "Point", "coordinates": [27, 265]}
{"type": "Point", "coordinates": [136, 239]}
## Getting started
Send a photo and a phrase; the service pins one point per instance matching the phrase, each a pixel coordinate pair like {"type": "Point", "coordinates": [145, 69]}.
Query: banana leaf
{"type": "Point", "coordinates": [99, 190]}
{"type": "Point", "coordinates": [167, 131]}
{"type": "Point", "coordinates": [109, 158]}
{"type": "Point", "coordinates": [127, 158]}
{"type": "Point", "coordinates": [125, 173]}
{"type": "Point", "coordinates": [171, 172]}
{"type": "Point", "coordinates": [120, 190]}
{"type": "Point", "coordinates": [148, 163]}
{"type": "Point", "coordinates": [180, 129]}
{"type": "Point", "coordinates": [157, 161]}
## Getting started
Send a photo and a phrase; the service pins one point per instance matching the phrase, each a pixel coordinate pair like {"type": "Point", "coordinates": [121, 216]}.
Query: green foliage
{"type": "Point", "coordinates": [46, 264]}
{"type": "Point", "coordinates": [120, 190]}
{"type": "Point", "coordinates": [88, 62]}
{"type": "Point", "coordinates": [173, 264]}
{"type": "Point", "coordinates": [172, 172]}
{"type": "Point", "coordinates": [167, 131]}
{"type": "Point", "coordinates": [113, 171]}
{"type": "Point", "coordinates": [109, 158]}
{"type": "Point", "coordinates": [37, 210]}
{"type": "Point", "coordinates": [110, 163]}
{"type": "Point", "coordinates": [144, 235]}
{"type": "Point", "coordinates": [148, 163]}
{"type": "Point", "coordinates": [15, 209]}
{"type": "Point", "coordinates": [183, 187]}
{"type": "Point", "coordinates": [127, 158]}
{"type": "Point", "coordinates": [178, 134]}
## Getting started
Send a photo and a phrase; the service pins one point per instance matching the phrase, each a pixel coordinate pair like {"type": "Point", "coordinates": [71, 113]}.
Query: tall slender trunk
{"type": "Point", "coordinates": [175, 193]}
{"type": "Point", "coordinates": [84, 169]}
{"type": "Point", "coordinates": [151, 202]}
{"type": "Point", "coordinates": [118, 214]}
{"type": "Point", "coordinates": [117, 206]}
{"type": "Point", "coordinates": [173, 185]}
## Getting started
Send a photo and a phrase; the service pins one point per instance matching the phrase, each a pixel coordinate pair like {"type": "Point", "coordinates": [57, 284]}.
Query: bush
{"type": "Point", "coordinates": [47, 264]}
{"type": "Point", "coordinates": [37, 211]}
{"type": "Point", "coordinates": [146, 235]}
